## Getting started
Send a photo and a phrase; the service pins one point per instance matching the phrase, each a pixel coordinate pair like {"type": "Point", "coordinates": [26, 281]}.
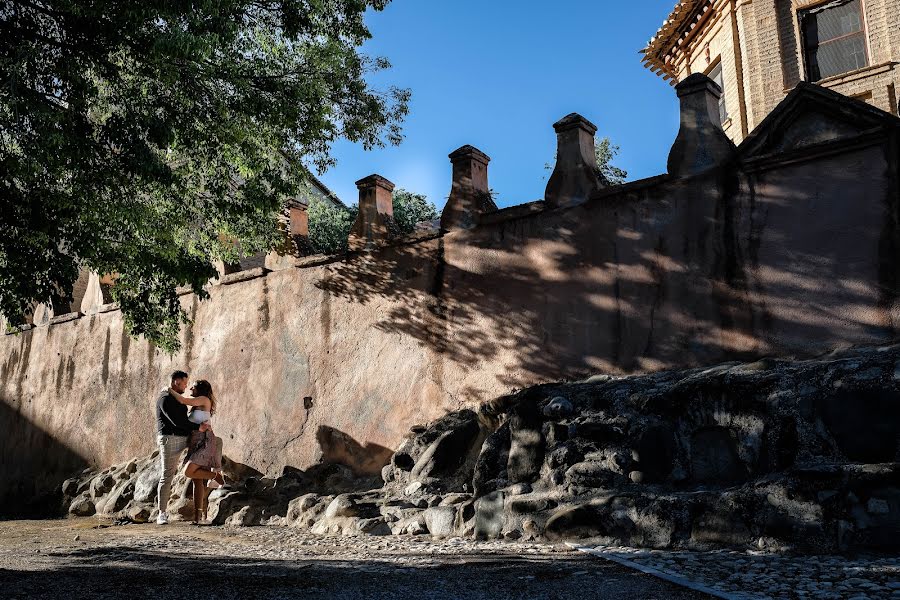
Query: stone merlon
{"type": "Point", "coordinates": [574, 178]}
{"type": "Point", "coordinates": [470, 196]}
{"type": "Point", "coordinates": [701, 144]}
{"type": "Point", "coordinates": [374, 225]}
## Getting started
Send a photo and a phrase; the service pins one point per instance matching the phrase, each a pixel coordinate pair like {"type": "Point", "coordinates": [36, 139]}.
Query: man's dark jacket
{"type": "Point", "coordinates": [171, 416]}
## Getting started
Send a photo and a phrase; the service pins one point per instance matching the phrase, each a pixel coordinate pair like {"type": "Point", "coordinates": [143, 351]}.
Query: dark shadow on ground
{"type": "Point", "coordinates": [136, 573]}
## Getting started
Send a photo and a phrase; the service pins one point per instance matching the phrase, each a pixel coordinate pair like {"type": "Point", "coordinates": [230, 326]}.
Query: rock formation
{"type": "Point", "coordinates": [780, 454]}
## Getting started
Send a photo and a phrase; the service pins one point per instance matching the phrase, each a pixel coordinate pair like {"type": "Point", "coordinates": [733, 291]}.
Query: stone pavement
{"type": "Point", "coordinates": [75, 559]}
{"type": "Point", "coordinates": [762, 575]}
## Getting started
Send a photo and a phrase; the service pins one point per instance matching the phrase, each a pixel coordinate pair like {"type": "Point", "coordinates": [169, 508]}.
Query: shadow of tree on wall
{"type": "Point", "coordinates": [33, 465]}
{"type": "Point", "coordinates": [677, 273]}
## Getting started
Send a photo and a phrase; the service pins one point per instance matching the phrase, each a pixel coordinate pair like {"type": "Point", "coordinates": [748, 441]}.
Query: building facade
{"type": "Point", "coordinates": [759, 50]}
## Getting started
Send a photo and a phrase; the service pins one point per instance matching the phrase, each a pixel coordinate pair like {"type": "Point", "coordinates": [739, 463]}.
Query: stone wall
{"type": "Point", "coordinates": [786, 245]}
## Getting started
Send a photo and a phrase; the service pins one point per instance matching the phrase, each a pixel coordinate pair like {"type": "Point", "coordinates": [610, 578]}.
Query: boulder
{"type": "Point", "coordinates": [597, 430]}
{"type": "Point", "coordinates": [70, 487]}
{"type": "Point", "coordinates": [372, 526]}
{"type": "Point", "coordinates": [558, 407]}
{"type": "Point", "coordinates": [654, 452]}
{"type": "Point", "coordinates": [526, 450]}
{"type": "Point", "coordinates": [300, 505]}
{"type": "Point", "coordinates": [714, 457]}
{"type": "Point", "coordinates": [555, 433]}
{"type": "Point", "coordinates": [491, 460]}
{"type": "Point", "coordinates": [342, 506]}
{"type": "Point", "coordinates": [245, 517]}
{"type": "Point", "coordinates": [101, 485]}
{"type": "Point", "coordinates": [591, 474]}
{"type": "Point", "coordinates": [449, 451]}
{"type": "Point", "coordinates": [223, 507]}
{"type": "Point", "coordinates": [146, 482]}
{"type": "Point", "coordinates": [573, 522]}
{"type": "Point", "coordinates": [564, 455]}
{"type": "Point", "coordinates": [139, 513]}
{"type": "Point", "coordinates": [440, 520]}
{"type": "Point", "coordinates": [875, 410]}
{"type": "Point", "coordinates": [117, 499]}
{"type": "Point", "coordinates": [82, 506]}
{"type": "Point", "coordinates": [489, 516]}
{"type": "Point", "coordinates": [530, 504]}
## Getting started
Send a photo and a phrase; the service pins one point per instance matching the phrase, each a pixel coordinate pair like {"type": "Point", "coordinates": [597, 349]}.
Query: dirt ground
{"type": "Point", "coordinates": [84, 558]}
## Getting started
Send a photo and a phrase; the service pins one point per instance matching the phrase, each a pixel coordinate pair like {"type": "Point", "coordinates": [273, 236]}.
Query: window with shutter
{"type": "Point", "coordinates": [716, 75]}
{"type": "Point", "coordinates": [834, 38]}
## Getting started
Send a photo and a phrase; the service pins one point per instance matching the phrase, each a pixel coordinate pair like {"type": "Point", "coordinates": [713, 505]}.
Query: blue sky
{"type": "Point", "coordinates": [497, 74]}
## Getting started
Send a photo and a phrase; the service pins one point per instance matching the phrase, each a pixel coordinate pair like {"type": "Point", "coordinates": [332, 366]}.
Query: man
{"type": "Point", "coordinates": [173, 429]}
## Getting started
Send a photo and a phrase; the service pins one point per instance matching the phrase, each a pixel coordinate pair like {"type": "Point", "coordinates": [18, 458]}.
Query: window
{"type": "Point", "coordinates": [833, 38]}
{"type": "Point", "coordinates": [716, 75]}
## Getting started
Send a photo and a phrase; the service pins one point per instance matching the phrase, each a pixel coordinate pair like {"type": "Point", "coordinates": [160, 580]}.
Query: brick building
{"type": "Point", "coordinates": [759, 50]}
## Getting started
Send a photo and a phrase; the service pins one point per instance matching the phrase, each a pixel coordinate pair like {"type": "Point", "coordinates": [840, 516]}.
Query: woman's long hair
{"type": "Point", "coordinates": [203, 388]}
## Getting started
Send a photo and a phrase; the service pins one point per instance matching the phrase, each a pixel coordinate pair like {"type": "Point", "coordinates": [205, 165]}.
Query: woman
{"type": "Point", "coordinates": [204, 456]}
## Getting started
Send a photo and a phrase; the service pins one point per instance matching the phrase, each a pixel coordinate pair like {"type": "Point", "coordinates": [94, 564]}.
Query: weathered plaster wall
{"type": "Point", "coordinates": [335, 361]}
{"type": "Point", "coordinates": [267, 344]}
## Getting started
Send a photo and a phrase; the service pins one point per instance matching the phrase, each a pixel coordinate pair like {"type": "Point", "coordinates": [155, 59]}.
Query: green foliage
{"type": "Point", "coordinates": [151, 138]}
{"type": "Point", "coordinates": [330, 225]}
{"type": "Point", "coordinates": [410, 208]}
{"type": "Point", "coordinates": [604, 152]}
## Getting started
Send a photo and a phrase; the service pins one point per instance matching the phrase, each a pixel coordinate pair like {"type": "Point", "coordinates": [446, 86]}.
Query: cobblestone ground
{"type": "Point", "coordinates": [76, 558]}
{"type": "Point", "coordinates": [762, 575]}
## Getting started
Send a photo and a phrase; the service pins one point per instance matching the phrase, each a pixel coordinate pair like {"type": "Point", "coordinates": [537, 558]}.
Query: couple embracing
{"type": "Point", "coordinates": [183, 422]}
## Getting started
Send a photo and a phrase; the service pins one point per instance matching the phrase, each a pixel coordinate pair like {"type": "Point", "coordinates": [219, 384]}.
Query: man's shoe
{"type": "Point", "coordinates": [162, 519]}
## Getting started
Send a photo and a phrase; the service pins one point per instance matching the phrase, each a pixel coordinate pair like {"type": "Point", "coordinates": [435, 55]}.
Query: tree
{"type": "Point", "coordinates": [151, 138]}
{"type": "Point", "coordinates": [410, 208]}
{"type": "Point", "coordinates": [330, 225]}
{"type": "Point", "coordinates": [604, 153]}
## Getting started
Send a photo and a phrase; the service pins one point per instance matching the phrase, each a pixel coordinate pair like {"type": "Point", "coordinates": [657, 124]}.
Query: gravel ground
{"type": "Point", "coordinates": [764, 575]}
{"type": "Point", "coordinates": [80, 558]}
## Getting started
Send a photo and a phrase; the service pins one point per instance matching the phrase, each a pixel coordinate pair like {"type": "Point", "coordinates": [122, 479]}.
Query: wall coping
{"type": "Point", "coordinates": [243, 275]}
{"type": "Point", "coordinates": [622, 193]}
{"type": "Point", "coordinates": [765, 162]}
{"type": "Point", "coordinates": [633, 186]}
{"type": "Point", "coordinates": [63, 318]}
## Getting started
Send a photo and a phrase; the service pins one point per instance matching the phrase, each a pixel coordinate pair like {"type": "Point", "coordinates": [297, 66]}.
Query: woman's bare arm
{"type": "Point", "coordinates": [198, 402]}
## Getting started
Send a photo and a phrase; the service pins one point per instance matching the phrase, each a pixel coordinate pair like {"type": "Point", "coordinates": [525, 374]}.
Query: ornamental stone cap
{"type": "Point", "coordinates": [574, 178]}
{"type": "Point", "coordinates": [701, 143]}
{"type": "Point", "coordinates": [698, 82]}
{"type": "Point", "coordinates": [468, 151]}
{"type": "Point", "coordinates": [374, 181]}
{"type": "Point", "coordinates": [573, 121]}
{"type": "Point", "coordinates": [469, 196]}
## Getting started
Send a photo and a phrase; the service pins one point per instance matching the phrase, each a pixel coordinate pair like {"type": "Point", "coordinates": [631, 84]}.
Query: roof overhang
{"type": "Point", "coordinates": [682, 21]}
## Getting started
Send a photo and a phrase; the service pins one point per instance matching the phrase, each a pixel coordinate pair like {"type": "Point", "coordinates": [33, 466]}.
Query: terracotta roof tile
{"type": "Point", "coordinates": [680, 20]}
